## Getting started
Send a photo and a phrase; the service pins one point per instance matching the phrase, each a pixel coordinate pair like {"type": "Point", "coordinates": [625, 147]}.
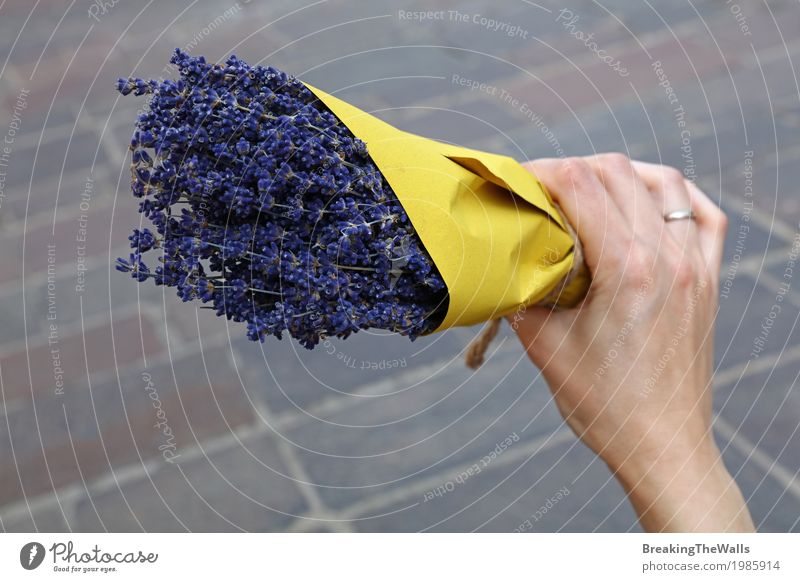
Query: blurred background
{"type": "Point", "coordinates": [124, 409]}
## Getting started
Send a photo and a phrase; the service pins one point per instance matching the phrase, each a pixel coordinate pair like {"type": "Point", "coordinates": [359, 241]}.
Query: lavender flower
{"type": "Point", "coordinates": [267, 208]}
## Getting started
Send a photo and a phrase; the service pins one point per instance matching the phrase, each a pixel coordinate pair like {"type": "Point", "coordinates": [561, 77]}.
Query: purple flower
{"type": "Point", "coordinates": [266, 206]}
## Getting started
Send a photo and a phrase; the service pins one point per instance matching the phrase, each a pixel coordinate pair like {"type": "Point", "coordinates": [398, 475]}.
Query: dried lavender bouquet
{"type": "Point", "coordinates": [266, 207]}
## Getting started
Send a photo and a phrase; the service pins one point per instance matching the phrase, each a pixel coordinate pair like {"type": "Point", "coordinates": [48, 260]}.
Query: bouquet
{"type": "Point", "coordinates": [282, 207]}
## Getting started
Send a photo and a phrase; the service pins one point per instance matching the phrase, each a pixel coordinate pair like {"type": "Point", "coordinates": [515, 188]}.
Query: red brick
{"type": "Point", "coordinates": [117, 419]}
{"type": "Point", "coordinates": [102, 234]}
{"type": "Point", "coordinates": [107, 345]}
{"type": "Point", "coordinates": [575, 85]}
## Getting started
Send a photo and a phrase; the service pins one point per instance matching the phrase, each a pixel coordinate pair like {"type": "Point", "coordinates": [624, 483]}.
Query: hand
{"type": "Point", "coordinates": [630, 368]}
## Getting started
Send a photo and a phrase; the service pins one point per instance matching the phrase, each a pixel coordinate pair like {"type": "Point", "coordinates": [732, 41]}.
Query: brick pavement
{"type": "Point", "coordinates": [359, 435]}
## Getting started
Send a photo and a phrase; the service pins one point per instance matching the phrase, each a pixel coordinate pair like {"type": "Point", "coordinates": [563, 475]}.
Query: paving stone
{"type": "Point", "coordinates": [243, 488]}
{"type": "Point", "coordinates": [141, 413]}
{"type": "Point", "coordinates": [561, 488]}
{"type": "Point", "coordinates": [414, 427]}
{"type": "Point", "coordinates": [616, 127]}
{"type": "Point", "coordinates": [12, 316]}
{"type": "Point", "coordinates": [774, 509]}
{"type": "Point", "coordinates": [514, 497]}
{"type": "Point", "coordinates": [765, 409]}
{"type": "Point", "coordinates": [393, 77]}
{"type": "Point", "coordinates": [32, 368]}
{"type": "Point", "coordinates": [37, 201]}
{"type": "Point", "coordinates": [56, 244]}
{"type": "Point", "coordinates": [104, 290]}
{"type": "Point", "coordinates": [742, 313]}
{"type": "Point", "coordinates": [67, 153]}
{"type": "Point", "coordinates": [290, 378]}
{"type": "Point", "coordinates": [48, 519]}
{"type": "Point", "coordinates": [469, 124]}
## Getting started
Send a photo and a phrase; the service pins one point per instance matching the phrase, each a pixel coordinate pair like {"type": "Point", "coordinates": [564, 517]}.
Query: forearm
{"type": "Point", "coordinates": [688, 492]}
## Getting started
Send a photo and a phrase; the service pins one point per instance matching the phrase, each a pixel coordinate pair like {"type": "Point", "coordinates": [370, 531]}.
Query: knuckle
{"type": "Point", "coordinates": [706, 282]}
{"type": "Point", "coordinates": [638, 267]}
{"type": "Point", "coordinates": [673, 176]}
{"type": "Point", "coordinates": [684, 275]}
{"type": "Point", "coordinates": [616, 161]}
{"type": "Point", "coordinates": [576, 172]}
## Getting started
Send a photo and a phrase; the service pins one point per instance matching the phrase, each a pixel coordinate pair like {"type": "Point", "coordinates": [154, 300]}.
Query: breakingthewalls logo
{"type": "Point", "coordinates": [31, 555]}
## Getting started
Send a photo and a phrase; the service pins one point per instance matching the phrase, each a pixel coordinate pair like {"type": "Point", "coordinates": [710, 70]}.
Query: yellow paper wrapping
{"type": "Point", "coordinates": [487, 223]}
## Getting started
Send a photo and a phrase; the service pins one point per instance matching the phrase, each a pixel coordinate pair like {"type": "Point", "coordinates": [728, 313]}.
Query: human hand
{"type": "Point", "coordinates": [630, 368]}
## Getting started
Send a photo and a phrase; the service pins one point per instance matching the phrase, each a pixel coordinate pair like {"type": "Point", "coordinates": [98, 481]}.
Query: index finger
{"type": "Point", "coordinates": [590, 210]}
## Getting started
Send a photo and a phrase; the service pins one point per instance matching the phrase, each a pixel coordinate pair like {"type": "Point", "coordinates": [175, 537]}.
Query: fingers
{"type": "Point", "coordinates": [714, 226]}
{"type": "Point", "coordinates": [590, 210]}
{"type": "Point", "coordinates": [710, 222]}
{"type": "Point", "coordinates": [630, 192]}
{"type": "Point", "coordinates": [668, 188]}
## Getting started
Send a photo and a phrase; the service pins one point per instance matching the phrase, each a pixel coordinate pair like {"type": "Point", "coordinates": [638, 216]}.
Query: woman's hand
{"type": "Point", "coordinates": [630, 368]}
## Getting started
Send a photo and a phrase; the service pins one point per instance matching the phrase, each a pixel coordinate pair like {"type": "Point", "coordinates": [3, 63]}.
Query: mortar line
{"type": "Point", "coordinates": [771, 466]}
{"type": "Point", "coordinates": [295, 468]}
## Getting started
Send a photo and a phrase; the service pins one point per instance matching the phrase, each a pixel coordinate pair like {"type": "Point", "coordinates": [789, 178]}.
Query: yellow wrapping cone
{"type": "Point", "coordinates": [490, 227]}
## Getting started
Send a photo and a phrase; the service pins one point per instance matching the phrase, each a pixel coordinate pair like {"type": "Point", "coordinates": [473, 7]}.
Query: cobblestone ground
{"type": "Point", "coordinates": [375, 433]}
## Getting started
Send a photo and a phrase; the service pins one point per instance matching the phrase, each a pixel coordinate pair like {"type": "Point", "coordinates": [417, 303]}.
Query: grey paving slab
{"type": "Point", "coordinates": [774, 507]}
{"type": "Point", "coordinates": [765, 409]}
{"type": "Point", "coordinates": [739, 324]}
{"type": "Point", "coordinates": [290, 378]}
{"type": "Point", "coordinates": [242, 488]}
{"type": "Point", "coordinates": [49, 519]}
{"type": "Point", "coordinates": [560, 488]}
{"type": "Point", "coordinates": [420, 426]}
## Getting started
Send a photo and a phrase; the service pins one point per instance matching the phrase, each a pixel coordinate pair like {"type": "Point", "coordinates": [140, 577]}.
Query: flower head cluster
{"type": "Point", "coordinates": [265, 206]}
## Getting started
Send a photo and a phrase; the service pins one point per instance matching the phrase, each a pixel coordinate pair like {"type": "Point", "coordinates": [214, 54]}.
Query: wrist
{"type": "Point", "coordinates": [659, 459]}
{"type": "Point", "coordinates": [684, 488]}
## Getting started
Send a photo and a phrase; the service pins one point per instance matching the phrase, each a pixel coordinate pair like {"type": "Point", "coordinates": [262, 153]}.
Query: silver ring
{"type": "Point", "coordinates": [682, 214]}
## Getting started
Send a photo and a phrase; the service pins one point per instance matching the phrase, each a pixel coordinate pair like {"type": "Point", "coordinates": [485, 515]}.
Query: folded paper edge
{"type": "Point", "coordinates": [502, 171]}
